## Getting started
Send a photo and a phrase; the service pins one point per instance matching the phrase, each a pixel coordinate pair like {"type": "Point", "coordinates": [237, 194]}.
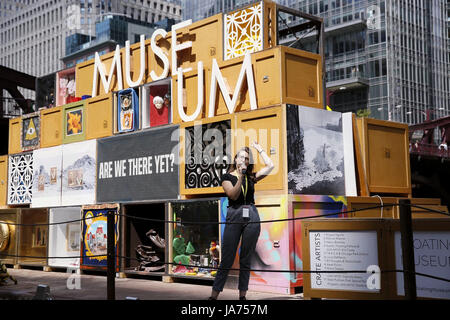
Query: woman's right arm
{"type": "Point", "coordinates": [231, 191]}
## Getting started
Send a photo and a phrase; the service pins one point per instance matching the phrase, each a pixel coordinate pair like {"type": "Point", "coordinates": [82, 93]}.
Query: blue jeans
{"type": "Point", "coordinates": [231, 236]}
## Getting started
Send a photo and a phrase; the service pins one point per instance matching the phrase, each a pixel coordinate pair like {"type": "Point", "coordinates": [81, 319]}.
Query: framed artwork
{"type": "Point", "coordinates": [47, 177]}
{"type": "Point", "coordinates": [39, 236]}
{"type": "Point", "coordinates": [94, 233]}
{"type": "Point", "coordinates": [315, 140]}
{"type": "Point", "coordinates": [73, 234]}
{"type": "Point", "coordinates": [206, 161]}
{"type": "Point", "coordinates": [127, 110]}
{"type": "Point", "coordinates": [74, 122]}
{"type": "Point", "coordinates": [31, 130]}
{"type": "Point", "coordinates": [78, 176]}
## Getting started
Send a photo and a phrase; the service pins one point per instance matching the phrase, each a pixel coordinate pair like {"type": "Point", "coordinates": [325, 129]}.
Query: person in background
{"type": "Point", "coordinates": [239, 186]}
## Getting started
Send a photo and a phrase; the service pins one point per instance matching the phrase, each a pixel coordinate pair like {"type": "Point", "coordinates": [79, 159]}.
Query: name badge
{"type": "Point", "coordinates": [245, 212]}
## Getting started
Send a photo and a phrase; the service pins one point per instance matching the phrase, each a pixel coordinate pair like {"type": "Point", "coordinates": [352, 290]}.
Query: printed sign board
{"type": "Point", "coordinates": [342, 251]}
{"type": "Point", "coordinates": [431, 257]}
{"type": "Point", "coordinates": [139, 166]}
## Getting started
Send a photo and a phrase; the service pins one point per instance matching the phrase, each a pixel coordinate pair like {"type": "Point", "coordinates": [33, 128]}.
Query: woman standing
{"type": "Point", "coordinates": [238, 184]}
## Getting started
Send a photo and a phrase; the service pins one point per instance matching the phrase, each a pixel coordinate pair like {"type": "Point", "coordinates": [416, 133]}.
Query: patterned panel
{"type": "Point", "coordinates": [31, 129]}
{"type": "Point", "coordinates": [243, 31]}
{"type": "Point", "coordinates": [20, 177]}
{"type": "Point", "coordinates": [208, 154]}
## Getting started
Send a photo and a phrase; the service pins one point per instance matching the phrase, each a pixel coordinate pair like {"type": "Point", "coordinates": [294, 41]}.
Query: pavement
{"type": "Point", "coordinates": [66, 286]}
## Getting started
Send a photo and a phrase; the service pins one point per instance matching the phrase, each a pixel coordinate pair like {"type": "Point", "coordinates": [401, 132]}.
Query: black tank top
{"type": "Point", "coordinates": [249, 199]}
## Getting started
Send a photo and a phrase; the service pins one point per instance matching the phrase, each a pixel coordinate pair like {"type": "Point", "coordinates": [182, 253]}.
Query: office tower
{"type": "Point", "coordinates": [386, 57]}
{"type": "Point", "coordinates": [33, 36]}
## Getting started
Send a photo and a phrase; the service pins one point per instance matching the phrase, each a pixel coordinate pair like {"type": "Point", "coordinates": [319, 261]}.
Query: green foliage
{"type": "Point", "coordinates": [363, 113]}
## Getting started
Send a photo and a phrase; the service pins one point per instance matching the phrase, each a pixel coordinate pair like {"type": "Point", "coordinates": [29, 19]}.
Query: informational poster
{"type": "Point", "coordinates": [139, 166]}
{"type": "Point", "coordinates": [431, 257]}
{"type": "Point", "coordinates": [342, 251]}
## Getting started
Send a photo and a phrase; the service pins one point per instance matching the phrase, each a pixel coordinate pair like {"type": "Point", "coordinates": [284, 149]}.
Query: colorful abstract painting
{"type": "Point", "coordinates": [20, 178]}
{"type": "Point", "coordinates": [94, 232]}
{"type": "Point", "coordinates": [279, 247]}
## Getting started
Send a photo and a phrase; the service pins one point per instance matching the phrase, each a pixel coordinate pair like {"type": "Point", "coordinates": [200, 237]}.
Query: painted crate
{"type": "Point", "coordinates": [3, 180]}
{"type": "Point", "coordinates": [51, 127]}
{"type": "Point", "coordinates": [33, 238]}
{"type": "Point", "coordinates": [10, 249]}
{"type": "Point", "coordinates": [385, 153]}
{"type": "Point", "coordinates": [64, 238]}
{"type": "Point", "coordinates": [14, 142]}
{"type": "Point", "coordinates": [279, 78]}
{"type": "Point", "coordinates": [99, 116]}
{"type": "Point", "coordinates": [279, 260]}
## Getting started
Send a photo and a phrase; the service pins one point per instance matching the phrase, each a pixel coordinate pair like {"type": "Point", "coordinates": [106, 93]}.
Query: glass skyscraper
{"type": "Point", "coordinates": [386, 58]}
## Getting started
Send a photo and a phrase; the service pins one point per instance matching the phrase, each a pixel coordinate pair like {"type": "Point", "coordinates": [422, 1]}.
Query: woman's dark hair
{"type": "Point", "coordinates": [249, 173]}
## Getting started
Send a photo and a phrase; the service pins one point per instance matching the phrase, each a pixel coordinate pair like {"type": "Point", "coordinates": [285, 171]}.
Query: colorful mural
{"type": "Point", "coordinates": [279, 245]}
{"type": "Point", "coordinates": [94, 232]}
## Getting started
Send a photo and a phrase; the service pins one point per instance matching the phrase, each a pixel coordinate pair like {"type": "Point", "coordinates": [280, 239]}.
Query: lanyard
{"type": "Point", "coordinates": [244, 192]}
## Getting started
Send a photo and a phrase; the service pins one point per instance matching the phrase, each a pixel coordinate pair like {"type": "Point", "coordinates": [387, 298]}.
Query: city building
{"type": "Point", "coordinates": [388, 59]}
{"type": "Point", "coordinates": [200, 9]}
{"type": "Point", "coordinates": [111, 31]}
{"type": "Point", "coordinates": [33, 33]}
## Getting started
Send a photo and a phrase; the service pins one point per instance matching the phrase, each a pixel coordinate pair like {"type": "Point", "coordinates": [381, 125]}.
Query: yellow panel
{"type": "Point", "coordinates": [370, 207]}
{"type": "Point", "coordinates": [302, 78]}
{"type": "Point", "coordinates": [267, 128]}
{"type": "Point", "coordinates": [385, 151]}
{"type": "Point", "coordinates": [3, 179]}
{"type": "Point", "coordinates": [207, 44]}
{"type": "Point", "coordinates": [99, 114]}
{"type": "Point", "coordinates": [15, 127]}
{"type": "Point", "coordinates": [51, 127]}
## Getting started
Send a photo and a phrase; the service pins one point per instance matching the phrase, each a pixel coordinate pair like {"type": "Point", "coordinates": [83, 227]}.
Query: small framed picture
{"type": "Point", "coordinates": [73, 233]}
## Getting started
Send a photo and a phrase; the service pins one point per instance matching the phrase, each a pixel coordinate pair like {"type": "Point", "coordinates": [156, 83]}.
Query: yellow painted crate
{"type": "Point", "coordinates": [51, 127]}
{"type": "Point", "coordinates": [99, 116]}
{"type": "Point", "coordinates": [3, 179]}
{"type": "Point", "coordinates": [14, 143]}
{"type": "Point", "coordinates": [385, 155]}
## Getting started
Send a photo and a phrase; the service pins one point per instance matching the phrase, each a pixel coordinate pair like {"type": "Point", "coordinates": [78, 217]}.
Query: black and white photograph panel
{"type": "Point", "coordinates": [316, 151]}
